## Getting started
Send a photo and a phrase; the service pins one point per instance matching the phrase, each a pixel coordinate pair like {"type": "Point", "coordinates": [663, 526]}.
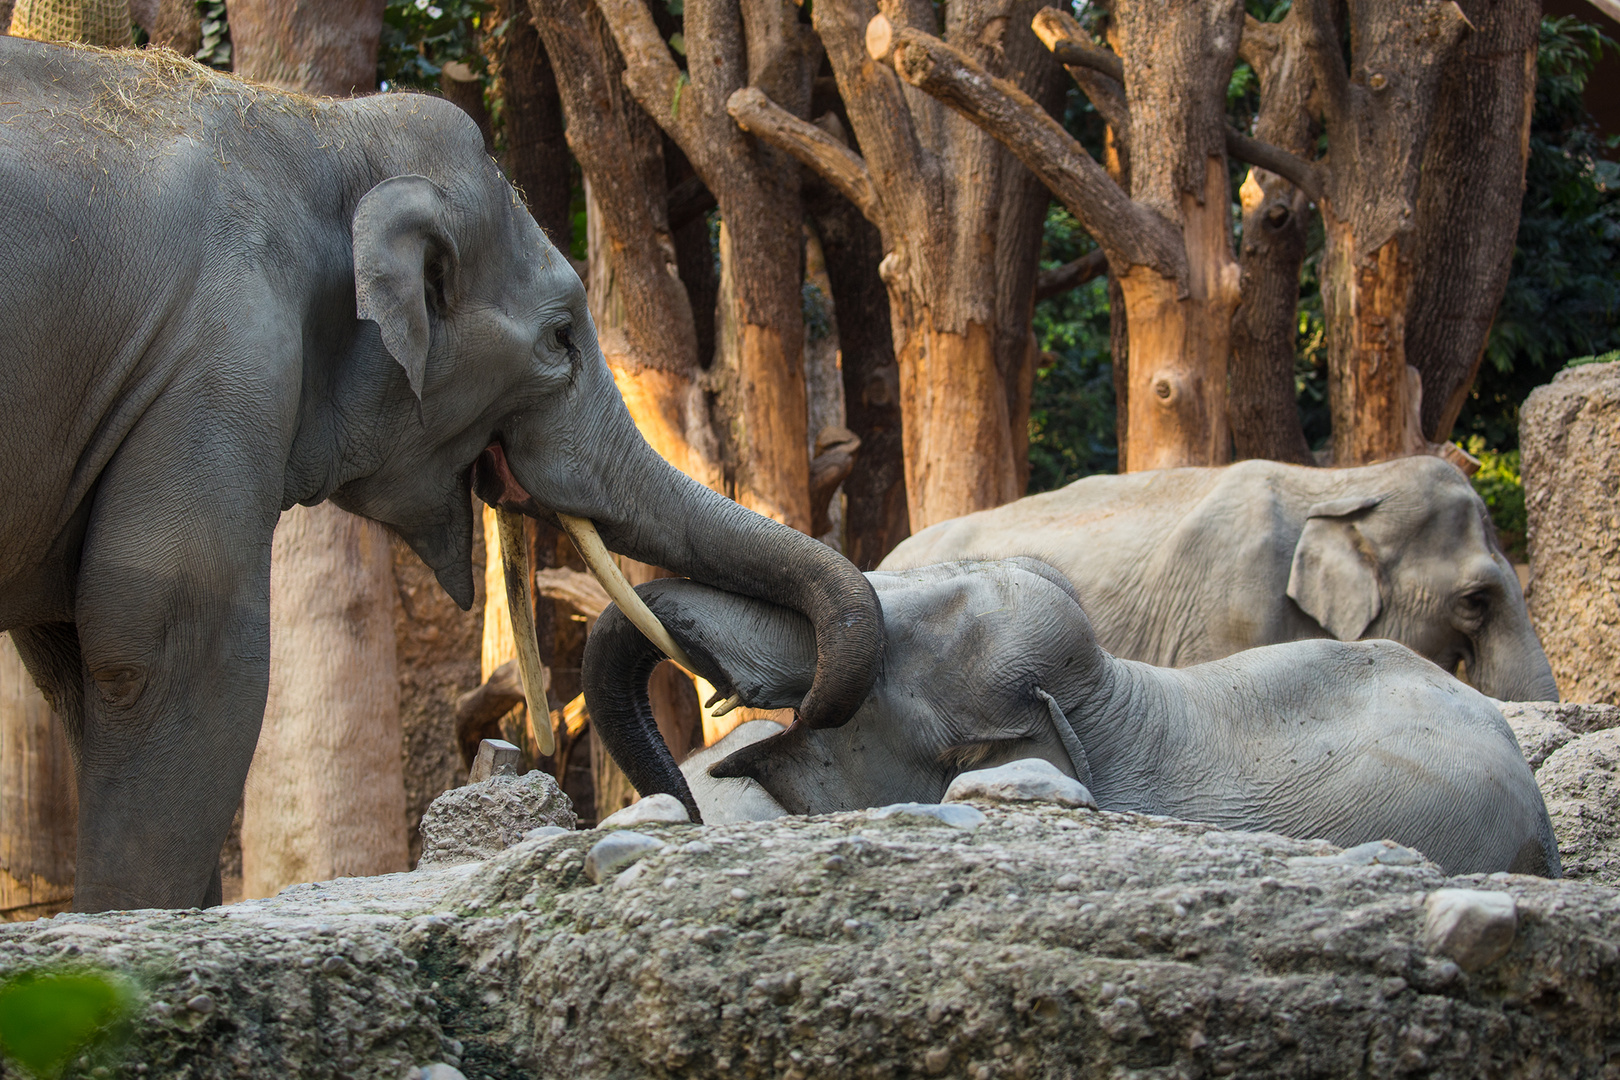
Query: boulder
{"type": "Point", "coordinates": [1569, 433]}
{"type": "Point", "coordinates": [483, 819]}
{"type": "Point", "coordinates": [1046, 942]}
{"type": "Point", "coordinates": [1537, 730]}
{"type": "Point", "coordinates": [1024, 780]}
{"type": "Point", "coordinates": [1581, 785]}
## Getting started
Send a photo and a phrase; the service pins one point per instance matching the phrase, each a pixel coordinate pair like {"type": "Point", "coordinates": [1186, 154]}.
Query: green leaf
{"type": "Point", "coordinates": [675, 102]}
{"type": "Point", "coordinates": [677, 41]}
{"type": "Point", "coordinates": [46, 1018]}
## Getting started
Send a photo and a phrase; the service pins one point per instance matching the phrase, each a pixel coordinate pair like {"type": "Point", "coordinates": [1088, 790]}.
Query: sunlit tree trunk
{"type": "Point", "coordinates": [38, 798]}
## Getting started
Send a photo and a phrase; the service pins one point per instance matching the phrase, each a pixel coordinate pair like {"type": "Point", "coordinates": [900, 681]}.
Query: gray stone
{"type": "Point", "coordinates": [1025, 780]}
{"type": "Point", "coordinates": [1569, 432]}
{"type": "Point", "coordinates": [1536, 727]}
{"type": "Point", "coordinates": [1375, 853]}
{"type": "Point", "coordinates": [545, 832]}
{"type": "Point", "coordinates": [1472, 927]}
{"type": "Point", "coordinates": [479, 820]}
{"type": "Point", "coordinates": [1045, 943]}
{"type": "Point", "coordinates": [659, 809]}
{"type": "Point", "coordinates": [440, 1071]}
{"type": "Point", "coordinates": [1581, 785]}
{"type": "Point", "coordinates": [617, 851]}
{"type": "Point", "coordinates": [955, 815]}
{"type": "Point", "coordinates": [496, 757]}
{"type": "Point", "coordinates": [1578, 716]}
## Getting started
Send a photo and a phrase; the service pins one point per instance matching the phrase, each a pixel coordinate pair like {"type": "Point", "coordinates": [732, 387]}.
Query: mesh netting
{"type": "Point", "coordinates": [91, 22]}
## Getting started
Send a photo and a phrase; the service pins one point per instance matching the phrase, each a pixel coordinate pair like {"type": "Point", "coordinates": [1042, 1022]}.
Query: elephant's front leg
{"type": "Point", "coordinates": [173, 611]}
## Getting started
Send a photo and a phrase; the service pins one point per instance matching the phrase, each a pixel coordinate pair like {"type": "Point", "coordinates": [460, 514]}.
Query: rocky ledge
{"type": "Point", "coordinates": [991, 940]}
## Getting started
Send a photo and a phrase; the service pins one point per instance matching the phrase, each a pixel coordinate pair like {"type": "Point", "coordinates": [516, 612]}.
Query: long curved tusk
{"type": "Point", "coordinates": [595, 553]}
{"type": "Point", "coordinates": [515, 568]}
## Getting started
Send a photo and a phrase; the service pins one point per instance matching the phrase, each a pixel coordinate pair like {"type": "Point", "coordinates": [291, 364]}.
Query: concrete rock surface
{"type": "Point", "coordinates": [483, 819]}
{"type": "Point", "coordinates": [1569, 433]}
{"type": "Point", "coordinates": [1537, 730]}
{"type": "Point", "coordinates": [1047, 942]}
{"type": "Point", "coordinates": [1024, 780]}
{"type": "Point", "coordinates": [1581, 785]}
{"type": "Point", "coordinates": [1579, 717]}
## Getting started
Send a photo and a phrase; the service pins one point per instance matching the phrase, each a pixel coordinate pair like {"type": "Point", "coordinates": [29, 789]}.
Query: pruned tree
{"type": "Point", "coordinates": [960, 225]}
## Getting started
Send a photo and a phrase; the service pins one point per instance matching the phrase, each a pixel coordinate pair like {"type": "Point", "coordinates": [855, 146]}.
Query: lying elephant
{"type": "Point", "coordinates": [221, 300]}
{"type": "Point", "coordinates": [986, 663]}
{"type": "Point", "coordinates": [1180, 566]}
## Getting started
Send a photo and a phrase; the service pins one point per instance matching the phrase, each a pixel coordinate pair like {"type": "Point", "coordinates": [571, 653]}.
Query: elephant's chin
{"type": "Point", "coordinates": [492, 481]}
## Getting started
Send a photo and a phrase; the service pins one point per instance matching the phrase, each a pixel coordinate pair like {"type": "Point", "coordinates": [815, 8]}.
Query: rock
{"type": "Point", "coordinates": [1581, 785]}
{"type": "Point", "coordinates": [496, 757]}
{"type": "Point", "coordinates": [1569, 433]}
{"type": "Point", "coordinates": [1047, 942]}
{"type": "Point", "coordinates": [479, 820]}
{"type": "Point", "coordinates": [440, 1071]}
{"type": "Point", "coordinates": [1472, 927]}
{"type": "Point", "coordinates": [1376, 853]}
{"type": "Point", "coordinates": [1536, 727]}
{"type": "Point", "coordinates": [957, 817]}
{"type": "Point", "coordinates": [1025, 780]}
{"type": "Point", "coordinates": [659, 809]}
{"type": "Point", "coordinates": [1579, 717]}
{"type": "Point", "coordinates": [614, 853]}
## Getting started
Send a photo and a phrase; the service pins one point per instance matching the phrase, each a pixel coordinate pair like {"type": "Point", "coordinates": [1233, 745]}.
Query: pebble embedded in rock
{"type": "Point", "coordinates": [1025, 780]}
{"type": "Point", "coordinates": [616, 852]}
{"type": "Point", "coordinates": [1375, 853]}
{"type": "Point", "coordinates": [545, 832]}
{"type": "Point", "coordinates": [202, 1003]}
{"type": "Point", "coordinates": [954, 814]}
{"type": "Point", "coordinates": [659, 809]}
{"type": "Point", "coordinates": [440, 1071]}
{"type": "Point", "coordinates": [1472, 927]}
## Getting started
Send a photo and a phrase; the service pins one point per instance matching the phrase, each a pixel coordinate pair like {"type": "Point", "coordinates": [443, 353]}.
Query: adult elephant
{"type": "Point", "coordinates": [1180, 566]}
{"type": "Point", "coordinates": [986, 663]}
{"type": "Point", "coordinates": [222, 300]}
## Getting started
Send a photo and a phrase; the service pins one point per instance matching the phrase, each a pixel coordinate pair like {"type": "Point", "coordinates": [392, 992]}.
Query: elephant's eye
{"type": "Point", "coordinates": [1474, 604]}
{"type": "Point", "coordinates": [564, 338]}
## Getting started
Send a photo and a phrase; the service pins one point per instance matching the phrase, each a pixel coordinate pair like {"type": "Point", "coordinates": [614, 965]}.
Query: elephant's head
{"type": "Point", "coordinates": [477, 351]}
{"type": "Point", "coordinates": [1415, 559]}
{"type": "Point", "coordinates": [972, 654]}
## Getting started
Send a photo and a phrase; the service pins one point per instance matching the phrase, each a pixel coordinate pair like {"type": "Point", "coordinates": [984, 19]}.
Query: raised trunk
{"type": "Point", "coordinates": [1179, 342]}
{"type": "Point", "coordinates": [38, 798]}
{"type": "Point", "coordinates": [326, 794]}
{"type": "Point", "coordinates": [1372, 393]}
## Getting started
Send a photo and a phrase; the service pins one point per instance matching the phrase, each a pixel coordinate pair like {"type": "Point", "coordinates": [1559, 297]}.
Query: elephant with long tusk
{"type": "Point", "coordinates": [271, 300]}
{"type": "Point", "coordinates": [988, 662]}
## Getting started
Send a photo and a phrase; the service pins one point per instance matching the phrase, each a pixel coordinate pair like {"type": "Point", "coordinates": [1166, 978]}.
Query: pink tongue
{"type": "Point", "coordinates": [512, 495]}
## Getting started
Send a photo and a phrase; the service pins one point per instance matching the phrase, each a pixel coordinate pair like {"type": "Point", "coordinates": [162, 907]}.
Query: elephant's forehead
{"type": "Point", "coordinates": [966, 600]}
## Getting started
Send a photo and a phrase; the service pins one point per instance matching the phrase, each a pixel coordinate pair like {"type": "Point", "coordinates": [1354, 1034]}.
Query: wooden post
{"type": "Point", "coordinates": [38, 798]}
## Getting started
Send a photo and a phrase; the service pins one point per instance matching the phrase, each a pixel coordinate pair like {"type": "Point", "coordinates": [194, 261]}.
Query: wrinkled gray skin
{"type": "Point", "coordinates": [1351, 742]}
{"type": "Point", "coordinates": [221, 301]}
{"type": "Point", "coordinates": [1180, 566]}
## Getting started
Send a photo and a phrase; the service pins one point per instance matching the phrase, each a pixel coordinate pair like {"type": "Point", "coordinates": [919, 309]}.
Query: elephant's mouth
{"type": "Point", "coordinates": [492, 481]}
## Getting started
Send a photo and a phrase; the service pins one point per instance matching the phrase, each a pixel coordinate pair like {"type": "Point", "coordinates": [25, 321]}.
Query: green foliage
{"type": "Point", "coordinates": [1605, 358]}
{"type": "Point", "coordinates": [215, 50]}
{"type": "Point", "coordinates": [1563, 298]}
{"type": "Point", "coordinates": [1500, 485]}
{"type": "Point", "coordinates": [48, 1017]}
{"type": "Point", "coordinates": [420, 37]}
{"type": "Point", "coordinates": [1071, 419]}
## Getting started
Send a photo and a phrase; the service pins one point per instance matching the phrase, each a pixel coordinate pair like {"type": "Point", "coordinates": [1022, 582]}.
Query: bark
{"type": "Point", "coordinates": [171, 24]}
{"type": "Point", "coordinates": [536, 144]}
{"type": "Point", "coordinates": [1071, 275]}
{"type": "Point", "coordinates": [1469, 194]}
{"type": "Point", "coordinates": [460, 84]}
{"type": "Point", "coordinates": [759, 336]}
{"type": "Point", "coordinates": [1377, 109]}
{"type": "Point", "coordinates": [1262, 408]}
{"type": "Point", "coordinates": [1168, 241]}
{"type": "Point", "coordinates": [326, 795]}
{"type": "Point", "coordinates": [38, 798]}
{"type": "Point", "coordinates": [310, 46]}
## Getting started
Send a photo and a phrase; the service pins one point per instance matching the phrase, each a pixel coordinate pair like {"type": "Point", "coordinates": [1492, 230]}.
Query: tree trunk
{"type": "Point", "coordinates": [1469, 194]}
{"type": "Point", "coordinates": [875, 491]}
{"type": "Point", "coordinates": [536, 144]}
{"type": "Point", "coordinates": [1262, 406]}
{"type": "Point", "coordinates": [326, 794]}
{"type": "Point", "coordinates": [310, 46]}
{"type": "Point", "coordinates": [38, 798]}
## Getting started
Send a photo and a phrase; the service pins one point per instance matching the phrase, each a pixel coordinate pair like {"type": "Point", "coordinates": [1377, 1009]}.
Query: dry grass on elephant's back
{"type": "Point", "coordinates": [437, 645]}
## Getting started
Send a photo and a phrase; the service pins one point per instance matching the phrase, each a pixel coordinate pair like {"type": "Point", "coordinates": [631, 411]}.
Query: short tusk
{"type": "Point", "coordinates": [595, 554]}
{"type": "Point", "coordinates": [515, 568]}
{"type": "Point", "coordinates": [727, 705]}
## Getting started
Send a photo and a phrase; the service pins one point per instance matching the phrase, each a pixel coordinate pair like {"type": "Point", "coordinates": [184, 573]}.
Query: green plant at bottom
{"type": "Point", "coordinates": [48, 1017]}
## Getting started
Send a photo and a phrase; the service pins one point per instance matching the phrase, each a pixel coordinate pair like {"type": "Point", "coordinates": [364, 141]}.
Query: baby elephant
{"type": "Point", "coordinates": [986, 662]}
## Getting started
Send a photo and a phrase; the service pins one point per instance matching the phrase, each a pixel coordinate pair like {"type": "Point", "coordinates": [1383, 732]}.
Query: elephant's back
{"type": "Point", "coordinates": [1359, 741]}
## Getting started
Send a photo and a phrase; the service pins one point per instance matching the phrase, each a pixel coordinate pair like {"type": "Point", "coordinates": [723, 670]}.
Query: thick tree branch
{"type": "Point", "coordinates": [1321, 36]}
{"type": "Point", "coordinates": [834, 162]}
{"type": "Point", "coordinates": [1071, 275]}
{"type": "Point", "coordinates": [1099, 73]}
{"type": "Point", "coordinates": [1296, 170]}
{"type": "Point", "coordinates": [1131, 234]}
{"type": "Point", "coordinates": [649, 70]}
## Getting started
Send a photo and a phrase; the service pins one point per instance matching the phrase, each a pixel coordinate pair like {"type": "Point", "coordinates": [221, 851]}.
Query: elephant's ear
{"type": "Point", "coordinates": [1335, 577]}
{"type": "Point", "coordinates": [405, 263]}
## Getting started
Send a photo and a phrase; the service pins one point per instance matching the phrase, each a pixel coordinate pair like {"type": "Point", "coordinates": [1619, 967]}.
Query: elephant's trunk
{"type": "Point", "coordinates": [1508, 662]}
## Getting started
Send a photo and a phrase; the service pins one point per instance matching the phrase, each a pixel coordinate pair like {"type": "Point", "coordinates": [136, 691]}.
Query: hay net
{"type": "Point", "coordinates": [90, 22]}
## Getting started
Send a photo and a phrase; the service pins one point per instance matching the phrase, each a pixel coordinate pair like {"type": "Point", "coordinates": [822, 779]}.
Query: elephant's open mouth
{"type": "Point", "coordinates": [492, 481]}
